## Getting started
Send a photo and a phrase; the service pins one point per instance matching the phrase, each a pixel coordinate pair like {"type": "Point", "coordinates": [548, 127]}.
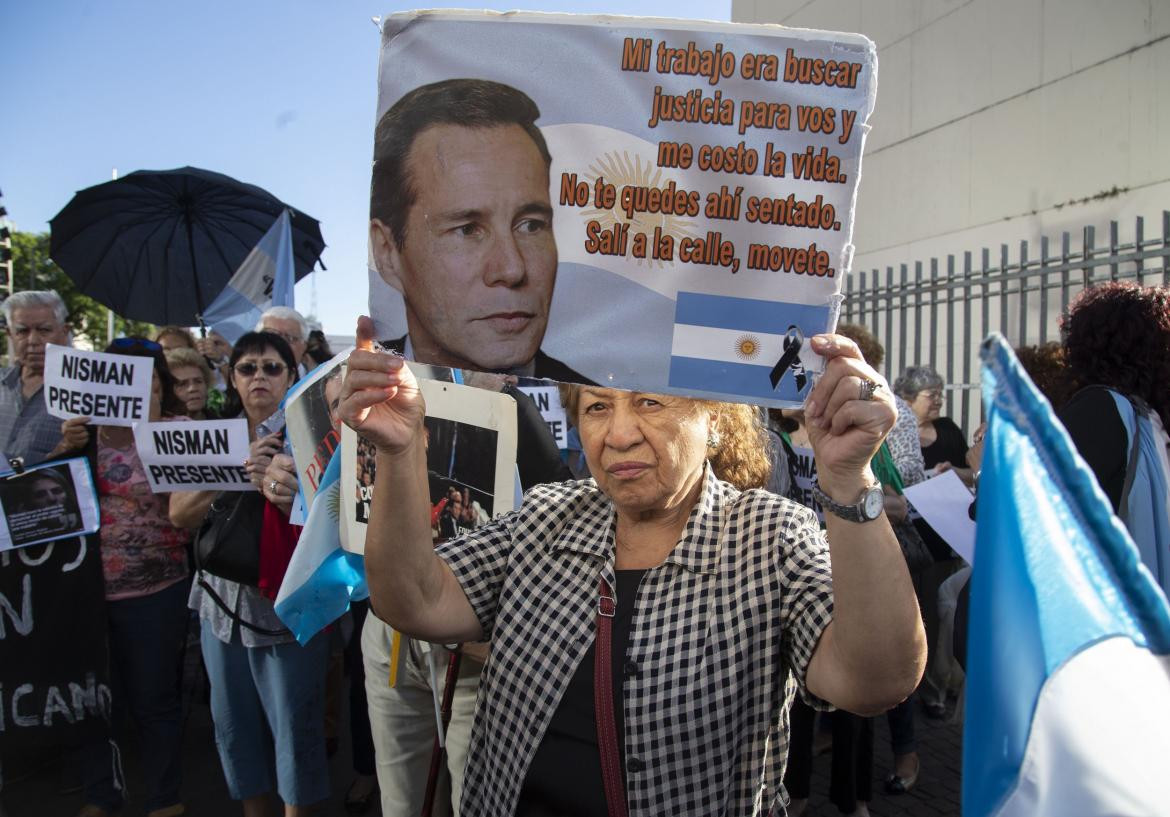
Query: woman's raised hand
{"type": "Point", "coordinates": [380, 398]}
{"type": "Point", "coordinates": [848, 413]}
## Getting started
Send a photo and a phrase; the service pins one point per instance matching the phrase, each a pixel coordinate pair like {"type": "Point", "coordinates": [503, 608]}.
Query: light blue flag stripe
{"type": "Point", "coordinates": [749, 314]}
{"type": "Point", "coordinates": [715, 376]}
{"type": "Point", "coordinates": [238, 307]}
{"type": "Point", "coordinates": [1056, 573]}
{"type": "Point", "coordinates": [335, 576]}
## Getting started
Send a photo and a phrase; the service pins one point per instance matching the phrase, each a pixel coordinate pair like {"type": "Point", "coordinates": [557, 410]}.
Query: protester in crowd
{"type": "Point", "coordinates": [1047, 367]}
{"type": "Point", "coordinates": [216, 349]}
{"type": "Point", "coordinates": [27, 430]}
{"type": "Point", "coordinates": [850, 786]}
{"type": "Point", "coordinates": [290, 325]}
{"type": "Point", "coordinates": [944, 446]}
{"type": "Point", "coordinates": [174, 337]}
{"type": "Point", "coordinates": [262, 681]}
{"type": "Point", "coordinates": [1117, 340]}
{"type": "Point", "coordinates": [144, 561]}
{"type": "Point", "coordinates": [403, 717]}
{"type": "Point", "coordinates": [317, 350]}
{"type": "Point", "coordinates": [741, 580]}
{"type": "Point", "coordinates": [192, 382]}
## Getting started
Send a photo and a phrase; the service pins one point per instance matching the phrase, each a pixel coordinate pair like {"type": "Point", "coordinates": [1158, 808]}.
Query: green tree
{"type": "Point", "coordinates": [33, 269]}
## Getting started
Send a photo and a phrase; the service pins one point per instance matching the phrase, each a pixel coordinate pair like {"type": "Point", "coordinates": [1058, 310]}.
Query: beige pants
{"type": "Point", "coordinates": [402, 720]}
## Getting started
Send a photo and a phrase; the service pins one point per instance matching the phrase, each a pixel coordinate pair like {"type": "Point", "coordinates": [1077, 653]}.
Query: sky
{"type": "Point", "coordinates": [280, 95]}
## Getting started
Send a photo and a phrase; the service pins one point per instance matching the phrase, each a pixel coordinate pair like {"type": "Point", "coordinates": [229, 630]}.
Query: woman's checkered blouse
{"type": "Point", "coordinates": [722, 635]}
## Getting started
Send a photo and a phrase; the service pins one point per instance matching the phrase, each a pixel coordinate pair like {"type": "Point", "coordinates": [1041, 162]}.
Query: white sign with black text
{"type": "Point", "coordinates": [111, 390]}
{"type": "Point", "coordinates": [206, 455]}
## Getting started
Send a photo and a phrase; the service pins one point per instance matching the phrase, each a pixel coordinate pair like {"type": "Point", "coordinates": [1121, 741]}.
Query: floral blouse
{"type": "Point", "coordinates": [142, 552]}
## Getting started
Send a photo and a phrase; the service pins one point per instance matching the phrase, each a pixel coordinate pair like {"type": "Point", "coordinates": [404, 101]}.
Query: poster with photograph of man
{"type": "Point", "coordinates": [471, 463]}
{"type": "Point", "coordinates": [649, 204]}
{"type": "Point", "coordinates": [48, 502]}
{"type": "Point", "coordinates": [312, 423]}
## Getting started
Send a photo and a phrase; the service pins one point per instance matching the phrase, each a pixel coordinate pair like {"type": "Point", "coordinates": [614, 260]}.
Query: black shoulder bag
{"type": "Point", "coordinates": [228, 545]}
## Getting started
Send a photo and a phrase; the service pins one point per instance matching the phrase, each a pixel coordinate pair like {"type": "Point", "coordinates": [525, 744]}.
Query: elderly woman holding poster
{"type": "Point", "coordinates": [650, 626]}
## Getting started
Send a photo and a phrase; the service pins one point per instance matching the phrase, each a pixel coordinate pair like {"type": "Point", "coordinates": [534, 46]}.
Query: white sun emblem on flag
{"type": "Point", "coordinates": [747, 347]}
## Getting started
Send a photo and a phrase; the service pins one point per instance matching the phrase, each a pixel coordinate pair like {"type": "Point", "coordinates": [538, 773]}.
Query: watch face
{"type": "Point", "coordinates": [873, 502]}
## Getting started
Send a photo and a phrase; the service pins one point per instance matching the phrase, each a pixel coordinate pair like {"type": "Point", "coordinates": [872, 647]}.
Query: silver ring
{"type": "Point", "coordinates": [867, 388]}
{"type": "Point", "coordinates": [272, 487]}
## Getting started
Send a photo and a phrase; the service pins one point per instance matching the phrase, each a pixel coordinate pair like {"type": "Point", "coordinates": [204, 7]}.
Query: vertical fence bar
{"type": "Point", "coordinates": [1065, 257]}
{"type": "Point", "coordinates": [967, 349]}
{"type": "Point", "coordinates": [847, 307]}
{"type": "Point", "coordinates": [933, 351]}
{"type": "Point", "coordinates": [1023, 340]}
{"type": "Point", "coordinates": [1139, 231]}
{"type": "Point", "coordinates": [874, 306]}
{"type": "Point", "coordinates": [918, 313]}
{"type": "Point", "coordinates": [1003, 291]}
{"type": "Point", "coordinates": [1043, 289]}
{"type": "Point", "coordinates": [1166, 248]}
{"type": "Point", "coordinates": [1087, 255]}
{"type": "Point", "coordinates": [861, 298]}
{"type": "Point", "coordinates": [1113, 248]}
{"type": "Point", "coordinates": [902, 318]}
{"type": "Point", "coordinates": [985, 286]}
{"type": "Point", "coordinates": [889, 316]}
{"type": "Point", "coordinates": [950, 375]}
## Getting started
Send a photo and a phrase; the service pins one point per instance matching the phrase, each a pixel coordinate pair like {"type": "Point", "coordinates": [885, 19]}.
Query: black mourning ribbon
{"type": "Point", "coordinates": [790, 359]}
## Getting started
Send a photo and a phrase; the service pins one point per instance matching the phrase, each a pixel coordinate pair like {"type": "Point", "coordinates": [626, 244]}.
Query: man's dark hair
{"type": "Point", "coordinates": [468, 103]}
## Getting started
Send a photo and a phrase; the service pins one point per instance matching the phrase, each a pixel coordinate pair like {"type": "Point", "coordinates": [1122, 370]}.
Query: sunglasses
{"type": "Point", "coordinates": [136, 343]}
{"type": "Point", "coordinates": [271, 368]}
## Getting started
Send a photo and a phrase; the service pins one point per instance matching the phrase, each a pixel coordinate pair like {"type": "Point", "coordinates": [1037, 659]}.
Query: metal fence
{"type": "Point", "coordinates": [937, 314]}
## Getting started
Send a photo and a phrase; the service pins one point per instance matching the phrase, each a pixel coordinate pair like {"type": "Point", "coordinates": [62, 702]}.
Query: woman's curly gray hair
{"type": "Point", "coordinates": [915, 379]}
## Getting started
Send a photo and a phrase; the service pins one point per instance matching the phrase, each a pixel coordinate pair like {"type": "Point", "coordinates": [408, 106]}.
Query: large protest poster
{"type": "Point", "coordinates": [50, 501]}
{"type": "Point", "coordinates": [699, 179]}
{"type": "Point", "coordinates": [312, 423]}
{"type": "Point", "coordinates": [197, 455]}
{"type": "Point", "coordinates": [548, 402]}
{"type": "Point", "coordinates": [54, 679]}
{"type": "Point", "coordinates": [111, 390]}
{"type": "Point", "coordinates": [471, 463]}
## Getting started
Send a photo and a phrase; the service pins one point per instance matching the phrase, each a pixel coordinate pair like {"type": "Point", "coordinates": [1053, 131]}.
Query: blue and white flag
{"type": "Point", "coordinates": [321, 579]}
{"type": "Point", "coordinates": [745, 346]}
{"type": "Point", "coordinates": [264, 279]}
{"type": "Point", "coordinates": [1068, 677]}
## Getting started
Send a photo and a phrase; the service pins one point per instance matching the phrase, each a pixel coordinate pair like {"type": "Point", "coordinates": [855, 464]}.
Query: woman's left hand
{"type": "Point", "coordinates": [848, 414]}
{"type": "Point", "coordinates": [280, 481]}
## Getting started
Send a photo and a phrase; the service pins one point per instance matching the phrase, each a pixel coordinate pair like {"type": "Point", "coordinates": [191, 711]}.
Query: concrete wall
{"type": "Point", "coordinates": [995, 118]}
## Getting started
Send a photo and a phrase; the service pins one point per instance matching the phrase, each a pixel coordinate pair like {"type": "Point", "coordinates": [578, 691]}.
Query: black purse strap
{"type": "Point", "coordinates": [232, 614]}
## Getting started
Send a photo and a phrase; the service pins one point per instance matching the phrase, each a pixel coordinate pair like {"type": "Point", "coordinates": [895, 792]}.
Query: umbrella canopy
{"type": "Point", "coordinates": [159, 245]}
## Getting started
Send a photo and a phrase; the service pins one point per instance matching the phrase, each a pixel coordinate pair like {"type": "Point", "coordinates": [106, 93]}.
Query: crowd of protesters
{"type": "Point", "coordinates": [514, 743]}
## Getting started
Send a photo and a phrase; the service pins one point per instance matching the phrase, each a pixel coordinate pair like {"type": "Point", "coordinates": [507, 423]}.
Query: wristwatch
{"type": "Point", "coordinates": [868, 507]}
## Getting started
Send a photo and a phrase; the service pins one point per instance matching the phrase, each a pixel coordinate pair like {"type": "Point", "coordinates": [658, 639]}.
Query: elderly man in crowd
{"type": "Point", "coordinates": [290, 325]}
{"type": "Point", "coordinates": [27, 430]}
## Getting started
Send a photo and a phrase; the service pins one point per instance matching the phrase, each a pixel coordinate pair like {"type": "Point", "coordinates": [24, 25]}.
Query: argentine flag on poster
{"type": "Point", "coordinates": [1068, 676]}
{"type": "Point", "coordinates": [321, 578]}
{"type": "Point", "coordinates": [744, 346]}
{"type": "Point", "coordinates": [264, 279]}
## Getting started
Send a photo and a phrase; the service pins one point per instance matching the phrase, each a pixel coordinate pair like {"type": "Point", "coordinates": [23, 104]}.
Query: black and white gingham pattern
{"type": "Point", "coordinates": [26, 428]}
{"type": "Point", "coordinates": [722, 634]}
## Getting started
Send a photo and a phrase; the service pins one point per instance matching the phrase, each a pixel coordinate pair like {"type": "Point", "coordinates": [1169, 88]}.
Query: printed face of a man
{"type": "Point", "coordinates": [479, 262]}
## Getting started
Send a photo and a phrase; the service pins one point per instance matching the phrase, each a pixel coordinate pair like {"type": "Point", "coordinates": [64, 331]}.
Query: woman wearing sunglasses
{"type": "Point", "coordinates": [144, 562]}
{"type": "Point", "coordinates": [262, 681]}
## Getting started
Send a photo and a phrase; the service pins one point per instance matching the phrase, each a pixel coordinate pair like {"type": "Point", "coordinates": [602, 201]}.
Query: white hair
{"type": "Point", "coordinates": [285, 313]}
{"type": "Point", "coordinates": [33, 299]}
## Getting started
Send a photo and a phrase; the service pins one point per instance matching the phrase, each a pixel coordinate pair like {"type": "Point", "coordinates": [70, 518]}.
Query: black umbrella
{"type": "Point", "coordinates": [160, 245]}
